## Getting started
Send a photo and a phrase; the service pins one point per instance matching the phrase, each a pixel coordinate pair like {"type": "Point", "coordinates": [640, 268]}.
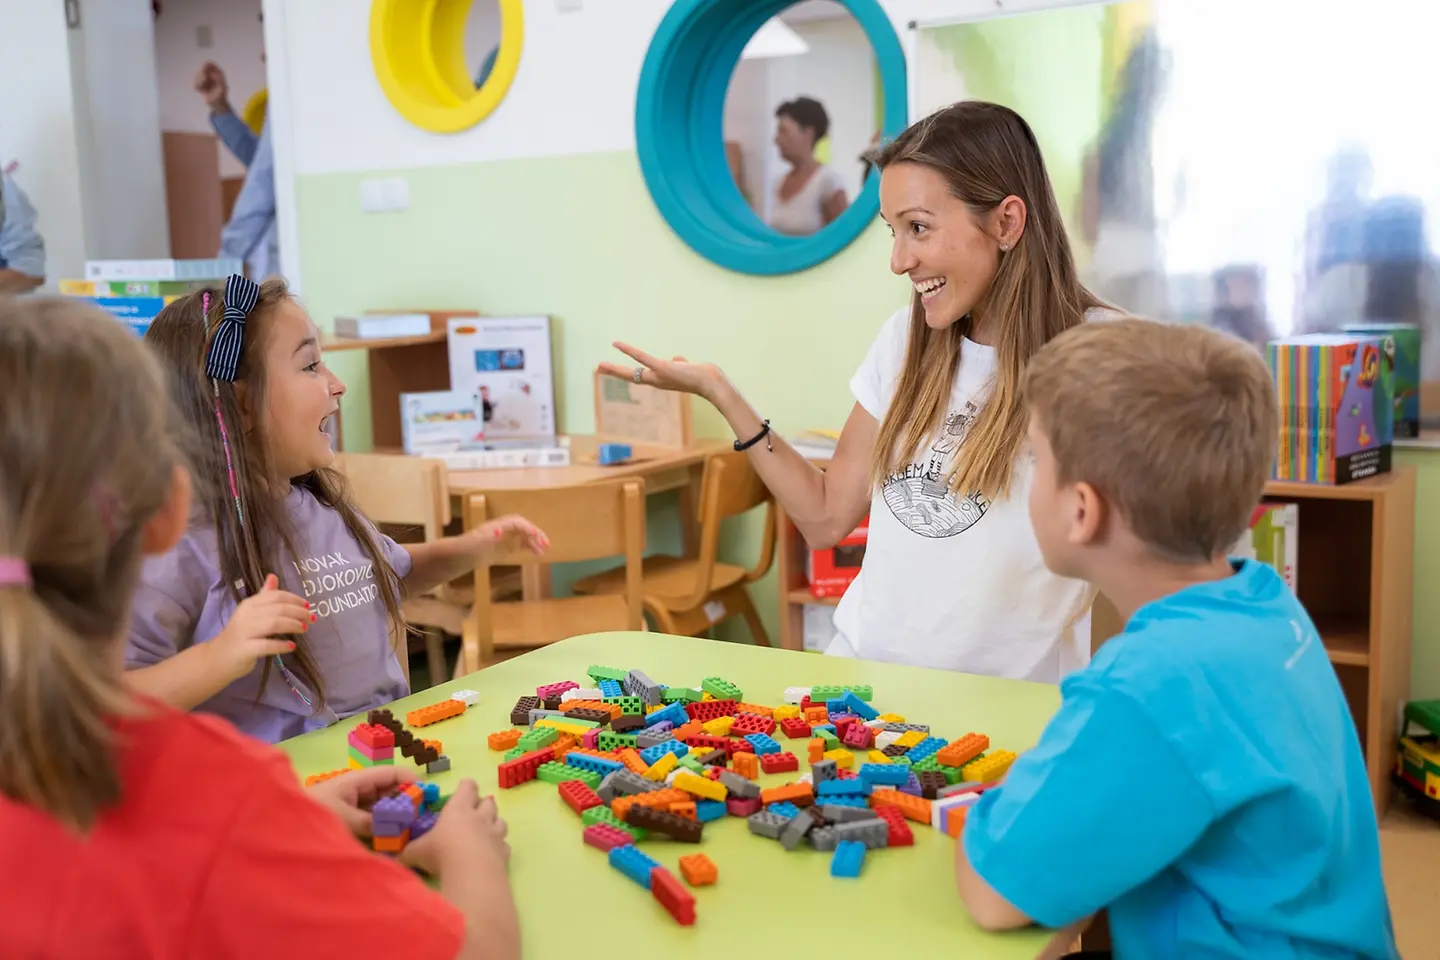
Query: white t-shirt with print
{"type": "Point", "coordinates": [951, 582]}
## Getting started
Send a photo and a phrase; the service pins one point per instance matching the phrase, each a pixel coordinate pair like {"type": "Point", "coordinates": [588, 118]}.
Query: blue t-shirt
{"type": "Point", "coordinates": [1203, 780]}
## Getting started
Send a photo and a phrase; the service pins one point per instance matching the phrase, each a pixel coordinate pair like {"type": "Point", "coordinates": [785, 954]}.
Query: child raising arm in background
{"type": "Point", "coordinates": [1203, 777]}
{"type": "Point", "coordinates": [279, 609]}
{"type": "Point", "coordinates": [141, 831]}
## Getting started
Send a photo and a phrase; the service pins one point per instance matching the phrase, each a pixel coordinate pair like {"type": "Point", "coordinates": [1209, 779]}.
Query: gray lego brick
{"type": "Point", "coordinates": [644, 741]}
{"type": "Point", "coordinates": [626, 783]}
{"type": "Point", "coordinates": [872, 833]}
{"type": "Point", "coordinates": [767, 824]}
{"type": "Point", "coordinates": [907, 727]}
{"type": "Point", "coordinates": [637, 684]}
{"type": "Point", "coordinates": [823, 770]}
{"type": "Point", "coordinates": [739, 786]}
{"type": "Point", "coordinates": [537, 714]}
{"type": "Point", "coordinates": [795, 831]}
{"type": "Point", "coordinates": [824, 839]}
{"type": "Point", "coordinates": [955, 788]}
{"type": "Point", "coordinates": [437, 766]}
{"type": "Point", "coordinates": [837, 813]}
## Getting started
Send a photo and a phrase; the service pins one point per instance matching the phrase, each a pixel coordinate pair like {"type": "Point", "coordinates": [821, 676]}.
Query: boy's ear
{"type": "Point", "coordinates": [1089, 515]}
{"type": "Point", "coordinates": [166, 527]}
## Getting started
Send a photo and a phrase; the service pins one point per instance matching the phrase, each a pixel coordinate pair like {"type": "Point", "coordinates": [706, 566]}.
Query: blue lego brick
{"type": "Point", "coordinates": [600, 765]}
{"type": "Point", "coordinates": [637, 866]}
{"type": "Point", "coordinates": [430, 793]}
{"type": "Point", "coordinates": [925, 748]}
{"type": "Point", "coordinates": [653, 753]}
{"type": "Point", "coordinates": [784, 809]}
{"type": "Point", "coordinates": [608, 453]}
{"type": "Point", "coordinates": [707, 810]}
{"type": "Point", "coordinates": [674, 714]}
{"type": "Point", "coordinates": [836, 706]}
{"type": "Point", "coordinates": [888, 774]}
{"type": "Point", "coordinates": [859, 707]}
{"type": "Point", "coordinates": [848, 800]}
{"type": "Point", "coordinates": [854, 787]}
{"type": "Point", "coordinates": [848, 860]}
{"type": "Point", "coordinates": [611, 688]}
{"type": "Point", "coordinates": [764, 743]}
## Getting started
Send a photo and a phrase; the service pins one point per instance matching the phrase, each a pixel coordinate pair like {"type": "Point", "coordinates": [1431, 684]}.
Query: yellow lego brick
{"type": "Point", "coordinates": [661, 767]}
{"type": "Point", "coordinates": [706, 696]}
{"type": "Point", "coordinates": [990, 767]}
{"type": "Point", "coordinates": [891, 718]}
{"type": "Point", "coordinates": [787, 712]}
{"type": "Point", "coordinates": [356, 764]}
{"type": "Point", "coordinates": [719, 727]}
{"type": "Point", "coordinates": [909, 738]}
{"type": "Point", "coordinates": [876, 756]}
{"type": "Point", "coordinates": [699, 786]}
{"type": "Point", "coordinates": [563, 726]}
{"type": "Point", "coordinates": [844, 759]}
{"type": "Point", "coordinates": [654, 707]}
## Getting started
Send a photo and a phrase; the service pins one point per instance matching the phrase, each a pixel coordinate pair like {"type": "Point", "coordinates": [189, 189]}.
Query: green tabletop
{"type": "Point", "coordinates": [767, 902]}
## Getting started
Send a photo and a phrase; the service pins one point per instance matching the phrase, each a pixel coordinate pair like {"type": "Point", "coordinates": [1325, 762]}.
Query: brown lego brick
{"type": "Point", "coordinates": [931, 783]}
{"type": "Point", "coordinates": [663, 822]}
{"type": "Point", "coordinates": [601, 717]}
{"type": "Point", "coordinates": [627, 723]}
{"type": "Point", "coordinates": [715, 758]}
{"type": "Point", "coordinates": [894, 750]}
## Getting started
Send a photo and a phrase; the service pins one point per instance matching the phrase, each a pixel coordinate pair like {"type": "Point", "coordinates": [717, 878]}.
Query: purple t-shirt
{"type": "Point", "coordinates": [181, 600]}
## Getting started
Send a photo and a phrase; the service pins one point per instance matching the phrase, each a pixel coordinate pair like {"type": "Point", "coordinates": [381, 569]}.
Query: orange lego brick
{"type": "Point", "coordinates": [656, 798]}
{"type": "Point", "coordinates": [817, 750]}
{"type": "Point", "coordinates": [799, 793]}
{"type": "Point", "coordinates": [914, 808]}
{"type": "Point", "coordinates": [631, 758]}
{"type": "Point", "coordinates": [956, 822]}
{"type": "Point", "coordinates": [391, 844]}
{"type": "Point", "coordinates": [436, 745]}
{"type": "Point", "coordinates": [687, 730]}
{"type": "Point", "coordinates": [698, 870]}
{"type": "Point", "coordinates": [564, 745]}
{"type": "Point", "coordinates": [504, 739]}
{"type": "Point", "coordinates": [962, 751]}
{"type": "Point", "coordinates": [315, 778]}
{"type": "Point", "coordinates": [685, 809]}
{"type": "Point", "coordinates": [434, 713]}
{"type": "Point", "coordinates": [755, 708]}
{"type": "Point", "coordinates": [747, 765]}
{"type": "Point", "coordinates": [816, 715]}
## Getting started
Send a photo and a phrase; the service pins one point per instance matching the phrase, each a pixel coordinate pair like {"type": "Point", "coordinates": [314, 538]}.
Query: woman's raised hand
{"type": "Point", "coordinates": [678, 374]}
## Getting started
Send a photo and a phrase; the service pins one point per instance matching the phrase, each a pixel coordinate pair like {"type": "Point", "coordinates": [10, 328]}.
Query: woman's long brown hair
{"type": "Point", "coordinates": [986, 153]}
{"type": "Point", "coordinates": [181, 335]}
{"type": "Point", "coordinates": [87, 457]}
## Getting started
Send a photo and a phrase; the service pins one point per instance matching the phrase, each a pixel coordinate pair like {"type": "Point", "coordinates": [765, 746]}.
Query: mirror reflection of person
{"type": "Point", "coordinates": [812, 194]}
{"type": "Point", "coordinates": [22, 249]}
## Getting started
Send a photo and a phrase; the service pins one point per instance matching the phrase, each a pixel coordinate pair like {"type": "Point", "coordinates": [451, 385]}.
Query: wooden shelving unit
{"type": "Point", "coordinates": [1355, 575]}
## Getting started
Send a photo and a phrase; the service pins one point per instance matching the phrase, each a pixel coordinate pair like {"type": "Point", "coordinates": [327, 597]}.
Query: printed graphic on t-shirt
{"type": "Point", "coordinates": [920, 496]}
{"type": "Point", "coordinates": [340, 582]}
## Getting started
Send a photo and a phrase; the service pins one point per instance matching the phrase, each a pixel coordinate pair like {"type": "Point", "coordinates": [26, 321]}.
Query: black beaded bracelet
{"type": "Point", "coordinates": [763, 434]}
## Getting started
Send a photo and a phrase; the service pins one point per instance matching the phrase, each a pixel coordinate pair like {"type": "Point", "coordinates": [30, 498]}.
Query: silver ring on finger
{"type": "Point", "coordinates": [639, 372]}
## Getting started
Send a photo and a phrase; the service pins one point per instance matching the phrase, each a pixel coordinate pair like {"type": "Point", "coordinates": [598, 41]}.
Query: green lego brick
{"type": "Point", "coordinates": [832, 742]}
{"type": "Point", "coordinates": [901, 759]}
{"type": "Point", "coordinates": [721, 689]}
{"type": "Point", "coordinates": [514, 752]}
{"type": "Point", "coordinates": [864, 691]}
{"type": "Point", "coordinates": [691, 764]}
{"type": "Point", "coordinates": [598, 673]}
{"type": "Point", "coordinates": [590, 778]}
{"type": "Point", "coordinates": [604, 815]}
{"type": "Point", "coordinates": [952, 774]}
{"type": "Point", "coordinates": [539, 737]}
{"type": "Point", "coordinates": [681, 695]}
{"type": "Point", "coordinates": [610, 740]}
{"type": "Point", "coordinates": [825, 692]}
{"type": "Point", "coordinates": [360, 758]}
{"type": "Point", "coordinates": [628, 704]}
{"type": "Point", "coordinates": [553, 772]}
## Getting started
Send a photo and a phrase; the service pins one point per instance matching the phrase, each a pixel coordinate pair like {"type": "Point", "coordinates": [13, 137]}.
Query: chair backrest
{"type": "Point", "coordinates": [398, 490]}
{"type": "Point", "coordinates": [590, 521]}
{"type": "Point", "coordinates": [730, 487]}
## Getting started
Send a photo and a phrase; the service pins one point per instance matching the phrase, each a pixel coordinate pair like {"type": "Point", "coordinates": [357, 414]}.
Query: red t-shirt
{"type": "Point", "coordinates": [214, 852]}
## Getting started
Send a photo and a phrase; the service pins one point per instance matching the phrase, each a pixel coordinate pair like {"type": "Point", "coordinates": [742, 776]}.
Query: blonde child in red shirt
{"type": "Point", "coordinates": [131, 829]}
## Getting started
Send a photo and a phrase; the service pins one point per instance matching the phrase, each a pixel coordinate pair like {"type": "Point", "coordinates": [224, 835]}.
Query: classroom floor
{"type": "Point", "coordinates": [1410, 848]}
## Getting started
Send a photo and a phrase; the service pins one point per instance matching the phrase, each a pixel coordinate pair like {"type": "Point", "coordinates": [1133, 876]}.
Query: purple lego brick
{"type": "Point", "coordinates": [393, 810]}
{"type": "Point", "coordinates": [912, 787]}
{"type": "Point", "coordinates": [423, 824]}
{"type": "Point", "coordinates": [664, 726]}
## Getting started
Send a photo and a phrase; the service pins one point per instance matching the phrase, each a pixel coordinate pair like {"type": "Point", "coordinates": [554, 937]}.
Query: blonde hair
{"type": "Point", "coordinates": [986, 153]}
{"type": "Point", "coordinates": [181, 336]}
{"type": "Point", "coordinates": [87, 458]}
{"type": "Point", "coordinates": [1175, 426]}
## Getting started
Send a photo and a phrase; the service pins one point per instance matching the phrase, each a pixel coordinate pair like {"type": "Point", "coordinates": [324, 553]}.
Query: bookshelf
{"type": "Point", "coordinates": [1354, 574]}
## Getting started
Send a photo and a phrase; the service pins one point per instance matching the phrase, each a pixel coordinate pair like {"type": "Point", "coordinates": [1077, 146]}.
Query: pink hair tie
{"type": "Point", "coordinates": [14, 572]}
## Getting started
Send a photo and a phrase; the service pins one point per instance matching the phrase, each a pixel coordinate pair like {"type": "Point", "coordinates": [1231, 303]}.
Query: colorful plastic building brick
{"type": "Point", "coordinates": [914, 808]}
{"type": "Point", "coordinates": [555, 689]}
{"type": "Point", "coordinates": [664, 822]}
{"type": "Point", "coordinates": [672, 895]}
{"type": "Point", "coordinates": [467, 697]}
{"type": "Point", "coordinates": [887, 774]}
{"type": "Point", "coordinates": [796, 695]}
{"type": "Point", "coordinates": [783, 762]}
{"type": "Point", "coordinates": [721, 689]}
{"type": "Point", "coordinates": [763, 743]}
{"type": "Point", "coordinates": [767, 824]}
{"type": "Point", "coordinates": [874, 833]}
{"type": "Point", "coordinates": [848, 860]}
{"type": "Point", "coordinates": [700, 786]}
{"type": "Point", "coordinates": [606, 837]}
{"type": "Point", "coordinates": [794, 728]}
{"type": "Point", "coordinates": [315, 778]}
{"type": "Point", "coordinates": [960, 752]}
{"type": "Point", "coordinates": [439, 765]}
{"type": "Point", "coordinates": [637, 684]}
{"type": "Point", "coordinates": [434, 713]}
{"type": "Point", "coordinates": [578, 796]}
{"type": "Point", "coordinates": [992, 766]}
{"type": "Point", "coordinates": [633, 863]}
{"type": "Point", "coordinates": [743, 806]}
{"type": "Point", "coordinates": [698, 870]}
{"type": "Point", "coordinates": [512, 773]}
{"type": "Point", "coordinates": [844, 759]}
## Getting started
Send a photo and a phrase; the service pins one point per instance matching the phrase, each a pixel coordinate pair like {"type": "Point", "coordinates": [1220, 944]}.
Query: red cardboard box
{"type": "Point", "coordinates": [831, 571]}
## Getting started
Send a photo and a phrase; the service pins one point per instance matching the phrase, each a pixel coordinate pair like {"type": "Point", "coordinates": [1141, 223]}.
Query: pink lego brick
{"type": "Point", "coordinates": [606, 837]}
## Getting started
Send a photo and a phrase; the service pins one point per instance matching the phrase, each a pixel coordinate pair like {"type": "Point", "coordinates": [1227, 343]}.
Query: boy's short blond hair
{"type": "Point", "coordinates": [1175, 426]}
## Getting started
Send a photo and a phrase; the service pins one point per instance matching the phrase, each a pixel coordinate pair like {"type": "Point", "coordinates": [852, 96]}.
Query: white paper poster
{"type": "Point", "coordinates": [506, 361]}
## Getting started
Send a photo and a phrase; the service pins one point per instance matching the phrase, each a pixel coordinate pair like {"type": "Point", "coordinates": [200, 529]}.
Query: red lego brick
{"type": "Point", "coordinates": [579, 796]}
{"type": "Point", "coordinates": [779, 762]}
{"type": "Point", "coordinates": [522, 769]}
{"type": "Point", "coordinates": [748, 723]}
{"type": "Point", "coordinates": [843, 725]}
{"type": "Point", "coordinates": [374, 736]}
{"type": "Point", "coordinates": [673, 896]}
{"type": "Point", "coordinates": [606, 837]}
{"type": "Point", "coordinates": [707, 710]}
{"type": "Point", "coordinates": [794, 728]}
{"type": "Point", "coordinates": [900, 832]}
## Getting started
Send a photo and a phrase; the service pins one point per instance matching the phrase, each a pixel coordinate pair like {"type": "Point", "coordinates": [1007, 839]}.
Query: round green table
{"type": "Point", "coordinates": [767, 901]}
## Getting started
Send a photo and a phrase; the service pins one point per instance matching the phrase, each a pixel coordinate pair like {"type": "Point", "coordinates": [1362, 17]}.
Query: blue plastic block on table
{"type": "Point", "coordinates": [847, 861]}
{"type": "Point", "coordinates": [886, 774]}
{"type": "Point", "coordinates": [600, 765]}
{"type": "Point", "coordinates": [653, 753]}
{"type": "Point", "coordinates": [784, 808]}
{"type": "Point", "coordinates": [925, 748]}
{"type": "Point", "coordinates": [609, 453]}
{"type": "Point", "coordinates": [848, 800]}
{"type": "Point", "coordinates": [634, 864]}
{"type": "Point", "coordinates": [763, 743]}
{"type": "Point", "coordinates": [853, 787]}
{"type": "Point", "coordinates": [430, 794]}
{"type": "Point", "coordinates": [611, 688]}
{"type": "Point", "coordinates": [707, 810]}
{"type": "Point", "coordinates": [859, 707]}
{"type": "Point", "coordinates": [674, 714]}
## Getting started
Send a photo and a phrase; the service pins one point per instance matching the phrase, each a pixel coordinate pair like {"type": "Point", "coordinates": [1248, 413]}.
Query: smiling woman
{"type": "Point", "coordinates": [952, 576]}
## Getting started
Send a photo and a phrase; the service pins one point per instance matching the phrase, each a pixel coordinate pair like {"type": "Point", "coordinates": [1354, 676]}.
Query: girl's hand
{"type": "Point", "coordinates": [678, 374]}
{"type": "Point", "coordinates": [467, 828]}
{"type": "Point", "coordinates": [507, 534]}
{"type": "Point", "coordinates": [249, 636]}
{"type": "Point", "coordinates": [351, 795]}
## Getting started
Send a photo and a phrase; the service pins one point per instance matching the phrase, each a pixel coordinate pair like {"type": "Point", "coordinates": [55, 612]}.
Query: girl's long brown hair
{"type": "Point", "coordinates": [87, 457]}
{"type": "Point", "coordinates": [986, 153]}
{"type": "Point", "coordinates": [181, 335]}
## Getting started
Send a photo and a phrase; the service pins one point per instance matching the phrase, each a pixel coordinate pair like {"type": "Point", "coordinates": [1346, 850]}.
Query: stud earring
{"type": "Point", "coordinates": [1004, 248]}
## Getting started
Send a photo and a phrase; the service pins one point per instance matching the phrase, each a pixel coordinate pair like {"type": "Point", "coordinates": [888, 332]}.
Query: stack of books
{"type": "Point", "coordinates": [135, 291]}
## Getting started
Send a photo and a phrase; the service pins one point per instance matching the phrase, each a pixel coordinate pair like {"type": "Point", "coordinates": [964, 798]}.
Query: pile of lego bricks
{"type": "Point", "coordinates": [373, 741]}
{"type": "Point", "coordinates": [634, 759]}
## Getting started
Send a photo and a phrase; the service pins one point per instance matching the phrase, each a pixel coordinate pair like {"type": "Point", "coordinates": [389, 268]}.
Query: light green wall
{"type": "Point", "coordinates": [1425, 651]}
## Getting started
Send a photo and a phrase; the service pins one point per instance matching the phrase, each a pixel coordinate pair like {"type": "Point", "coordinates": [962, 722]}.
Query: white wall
{"type": "Point", "coordinates": [37, 127]}
{"type": "Point", "coordinates": [237, 44]}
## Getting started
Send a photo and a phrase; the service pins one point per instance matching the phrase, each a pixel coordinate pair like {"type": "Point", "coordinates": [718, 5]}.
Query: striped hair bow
{"type": "Point", "coordinates": [241, 295]}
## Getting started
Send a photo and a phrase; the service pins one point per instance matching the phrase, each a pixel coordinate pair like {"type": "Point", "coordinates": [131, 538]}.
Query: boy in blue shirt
{"type": "Point", "coordinates": [1202, 779]}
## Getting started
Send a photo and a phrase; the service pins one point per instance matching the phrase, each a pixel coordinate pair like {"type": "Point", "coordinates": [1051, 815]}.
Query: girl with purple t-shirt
{"type": "Point", "coordinates": [280, 607]}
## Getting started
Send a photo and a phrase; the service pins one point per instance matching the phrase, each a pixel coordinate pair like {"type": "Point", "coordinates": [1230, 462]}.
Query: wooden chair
{"type": "Point", "coordinates": [689, 595]}
{"type": "Point", "coordinates": [587, 521]}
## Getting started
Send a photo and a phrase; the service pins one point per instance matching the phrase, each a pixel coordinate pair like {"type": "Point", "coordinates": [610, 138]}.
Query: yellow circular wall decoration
{"type": "Point", "coordinates": [418, 49]}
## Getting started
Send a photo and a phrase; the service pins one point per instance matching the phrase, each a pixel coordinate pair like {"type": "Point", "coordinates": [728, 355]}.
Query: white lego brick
{"type": "Point", "coordinates": [796, 695]}
{"type": "Point", "coordinates": [467, 697]}
{"type": "Point", "coordinates": [885, 739]}
{"type": "Point", "coordinates": [578, 693]}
